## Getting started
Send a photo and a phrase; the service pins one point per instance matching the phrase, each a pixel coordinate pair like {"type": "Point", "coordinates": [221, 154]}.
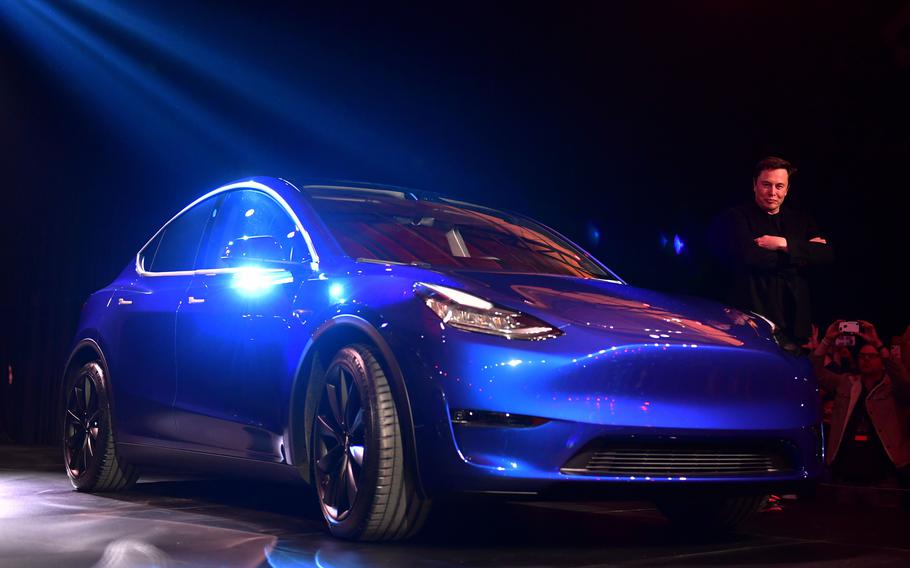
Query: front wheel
{"type": "Point", "coordinates": [89, 453]}
{"type": "Point", "coordinates": [365, 489]}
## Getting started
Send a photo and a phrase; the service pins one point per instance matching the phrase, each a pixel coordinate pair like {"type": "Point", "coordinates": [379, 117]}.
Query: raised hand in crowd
{"type": "Point", "coordinates": [813, 342]}
{"type": "Point", "coordinates": [831, 335]}
{"type": "Point", "coordinates": [868, 334]}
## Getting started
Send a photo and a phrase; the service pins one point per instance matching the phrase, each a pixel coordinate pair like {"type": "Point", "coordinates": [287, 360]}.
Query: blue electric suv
{"type": "Point", "coordinates": [392, 347]}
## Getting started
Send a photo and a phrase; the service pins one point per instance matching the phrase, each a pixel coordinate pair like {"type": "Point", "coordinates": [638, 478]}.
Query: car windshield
{"type": "Point", "coordinates": [389, 226]}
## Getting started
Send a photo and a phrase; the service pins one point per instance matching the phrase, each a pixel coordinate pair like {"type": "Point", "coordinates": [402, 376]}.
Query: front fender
{"type": "Point", "coordinates": [309, 380]}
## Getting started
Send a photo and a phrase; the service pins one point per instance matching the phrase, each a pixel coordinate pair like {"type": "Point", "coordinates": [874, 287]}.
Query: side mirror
{"type": "Point", "coordinates": [263, 248]}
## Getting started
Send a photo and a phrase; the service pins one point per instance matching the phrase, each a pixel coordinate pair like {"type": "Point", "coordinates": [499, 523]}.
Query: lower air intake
{"type": "Point", "coordinates": [683, 461]}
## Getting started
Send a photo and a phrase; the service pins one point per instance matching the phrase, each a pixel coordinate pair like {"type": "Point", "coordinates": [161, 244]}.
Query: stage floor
{"type": "Point", "coordinates": [192, 522]}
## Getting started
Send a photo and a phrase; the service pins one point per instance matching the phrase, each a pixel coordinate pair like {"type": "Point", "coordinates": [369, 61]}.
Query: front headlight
{"type": "Point", "coordinates": [470, 313]}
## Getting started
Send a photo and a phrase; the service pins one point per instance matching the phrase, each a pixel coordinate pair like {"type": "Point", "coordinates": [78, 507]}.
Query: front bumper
{"type": "Point", "coordinates": [556, 454]}
{"type": "Point", "coordinates": [589, 390]}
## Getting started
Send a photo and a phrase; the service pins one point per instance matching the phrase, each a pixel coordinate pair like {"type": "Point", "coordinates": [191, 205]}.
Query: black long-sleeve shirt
{"type": "Point", "coordinates": [772, 283]}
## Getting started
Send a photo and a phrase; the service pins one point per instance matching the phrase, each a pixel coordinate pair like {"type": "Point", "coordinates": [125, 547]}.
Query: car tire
{"type": "Point", "coordinates": [362, 480]}
{"type": "Point", "coordinates": [711, 514]}
{"type": "Point", "coordinates": [89, 453]}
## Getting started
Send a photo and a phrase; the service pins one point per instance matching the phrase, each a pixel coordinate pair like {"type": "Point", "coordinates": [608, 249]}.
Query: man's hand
{"type": "Point", "coordinates": [771, 243]}
{"type": "Point", "coordinates": [812, 344]}
{"type": "Point", "coordinates": [818, 240]}
{"type": "Point", "coordinates": [833, 331]}
{"type": "Point", "coordinates": [868, 333]}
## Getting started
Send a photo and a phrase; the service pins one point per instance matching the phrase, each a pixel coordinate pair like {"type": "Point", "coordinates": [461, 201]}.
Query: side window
{"type": "Point", "coordinates": [176, 246]}
{"type": "Point", "coordinates": [249, 214]}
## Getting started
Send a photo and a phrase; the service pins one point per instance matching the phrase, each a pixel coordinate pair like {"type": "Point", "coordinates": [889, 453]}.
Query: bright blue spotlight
{"type": "Point", "coordinates": [678, 245]}
{"type": "Point", "coordinates": [291, 103]}
{"type": "Point", "coordinates": [256, 281]}
{"type": "Point", "coordinates": [102, 70]}
{"type": "Point", "coordinates": [336, 292]}
{"type": "Point", "coordinates": [593, 234]}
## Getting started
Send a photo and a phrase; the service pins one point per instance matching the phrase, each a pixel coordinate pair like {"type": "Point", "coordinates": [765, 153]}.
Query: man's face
{"type": "Point", "coordinates": [770, 189]}
{"type": "Point", "coordinates": [869, 359]}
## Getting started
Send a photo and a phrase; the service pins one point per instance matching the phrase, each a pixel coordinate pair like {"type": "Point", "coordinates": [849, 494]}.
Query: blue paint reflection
{"type": "Point", "coordinates": [279, 557]}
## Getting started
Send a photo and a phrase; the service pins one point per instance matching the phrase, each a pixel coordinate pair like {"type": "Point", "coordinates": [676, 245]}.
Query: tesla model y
{"type": "Point", "coordinates": [393, 347]}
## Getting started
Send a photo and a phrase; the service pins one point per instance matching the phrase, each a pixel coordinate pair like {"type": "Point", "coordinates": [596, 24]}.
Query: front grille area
{"type": "Point", "coordinates": [680, 460]}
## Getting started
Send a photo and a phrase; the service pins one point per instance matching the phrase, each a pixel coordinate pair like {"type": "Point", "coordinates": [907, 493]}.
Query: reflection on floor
{"type": "Point", "coordinates": [191, 522]}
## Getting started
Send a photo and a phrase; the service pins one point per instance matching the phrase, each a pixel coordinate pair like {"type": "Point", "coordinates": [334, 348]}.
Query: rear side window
{"type": "Point", "coordinates": [175, 248]}
{"type": "Point", "coordinates": [250, 213]}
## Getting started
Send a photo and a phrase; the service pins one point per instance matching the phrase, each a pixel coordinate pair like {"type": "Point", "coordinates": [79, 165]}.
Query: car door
{"type": "Point", "coordinates": [234, 330]}
{"type": "Point", "coordinates": [141, 351]}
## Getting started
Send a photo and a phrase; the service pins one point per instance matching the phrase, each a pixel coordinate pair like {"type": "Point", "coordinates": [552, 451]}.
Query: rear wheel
{"type": "Point", "coordinates": [365, 489]}
{"type": "Point", "coordinates": [89, 453]}
{"type": "Point", "coordinates": [711, 514]}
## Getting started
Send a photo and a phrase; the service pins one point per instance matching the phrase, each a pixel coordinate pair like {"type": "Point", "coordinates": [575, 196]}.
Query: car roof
{"type": "Point", "coordinates": [362, 187]}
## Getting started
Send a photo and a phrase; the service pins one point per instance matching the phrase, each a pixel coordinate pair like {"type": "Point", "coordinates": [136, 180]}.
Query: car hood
{"type": "Point", "coordinates": [636, 314]}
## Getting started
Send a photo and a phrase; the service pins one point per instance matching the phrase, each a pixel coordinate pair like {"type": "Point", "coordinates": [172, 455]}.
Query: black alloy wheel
{"type": "Point", "coordinates": [83, 427]}
{"type": "Point", "coordinates": [89, 453]}
{"type": "Point", "coordinates": [340, 443]}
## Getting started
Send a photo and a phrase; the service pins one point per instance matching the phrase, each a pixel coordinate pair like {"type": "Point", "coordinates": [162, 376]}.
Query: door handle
{"type": "Point", "coordinates": [194, 300]}
{"type": "Point", "coordinates": [122, 302]}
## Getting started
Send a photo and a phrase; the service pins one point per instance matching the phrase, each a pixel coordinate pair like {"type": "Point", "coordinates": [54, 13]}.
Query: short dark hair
{"type": "Point", "coordinates": [773, 163]}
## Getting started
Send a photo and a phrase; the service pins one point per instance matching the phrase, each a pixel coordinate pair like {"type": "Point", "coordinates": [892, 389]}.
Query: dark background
{"type": "Point", "coordinates": [633, 121]}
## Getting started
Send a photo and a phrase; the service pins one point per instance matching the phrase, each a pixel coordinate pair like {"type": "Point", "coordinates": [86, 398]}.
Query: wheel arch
{"type": "Point", "coordinates": [84, 351]}
{"type": "Point", "coordinates": [341, 330]}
